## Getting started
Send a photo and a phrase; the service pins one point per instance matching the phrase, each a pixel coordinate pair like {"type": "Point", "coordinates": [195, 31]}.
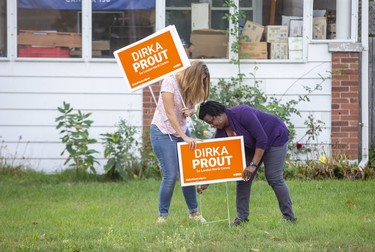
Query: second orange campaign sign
{"type": "Point", "coordinates": [213, 161]}
{"type": "Point", "coordinates": [150, 59]}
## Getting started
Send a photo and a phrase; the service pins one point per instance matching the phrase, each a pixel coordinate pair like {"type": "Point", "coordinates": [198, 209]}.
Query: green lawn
{"type": "Point", "coordinates": [103, 216]}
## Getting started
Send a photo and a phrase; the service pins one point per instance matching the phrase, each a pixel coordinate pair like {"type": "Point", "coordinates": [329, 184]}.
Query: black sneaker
{"type": "Point", "coordinates": [290, 220]}
{"type": "Point", "coordinates": [238, 221]}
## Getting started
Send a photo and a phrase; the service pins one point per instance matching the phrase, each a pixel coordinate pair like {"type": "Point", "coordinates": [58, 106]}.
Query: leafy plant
{"type": "Point", "coordinates": [199, 128]}
{"type": "Point", "coordinates": [337, 167]}
{"type": "Point", "coordinates": [120, 149]}
{"type": "Point", "coordinates": [74, 128]}
{"type": "Point", "coordinates": [305, 147]}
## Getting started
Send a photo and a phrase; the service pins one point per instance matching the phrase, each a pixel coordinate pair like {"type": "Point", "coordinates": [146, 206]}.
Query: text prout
{"type": "Point", "coordinates": [211, 157]}
{"type": "Point", "coordinates": [148, 56]}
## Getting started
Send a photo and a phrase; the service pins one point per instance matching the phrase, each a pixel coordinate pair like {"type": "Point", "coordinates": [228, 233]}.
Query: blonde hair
{"type": "Point", "coordinates": [194, 82]}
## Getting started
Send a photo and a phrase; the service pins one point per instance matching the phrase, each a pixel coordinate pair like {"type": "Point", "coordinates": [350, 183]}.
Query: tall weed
{"type": "Point", "coordinates": [74, 128]}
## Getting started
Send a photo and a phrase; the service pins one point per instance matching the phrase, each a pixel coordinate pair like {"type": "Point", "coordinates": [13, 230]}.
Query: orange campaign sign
{"type": "Point", "coordinates": [213, 161]}
{"type": "Point", "coordinates": [152, 58]}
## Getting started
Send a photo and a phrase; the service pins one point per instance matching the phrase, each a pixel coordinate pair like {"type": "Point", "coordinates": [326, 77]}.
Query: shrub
{"type": "Point", "coordinates": [337, 167]}
{"type": "Point", "coordinates": [128, 158]}
{"type": "Point", "coordinates": [74, 128]}
{"type": "Point", "coordinates": [120, 149]}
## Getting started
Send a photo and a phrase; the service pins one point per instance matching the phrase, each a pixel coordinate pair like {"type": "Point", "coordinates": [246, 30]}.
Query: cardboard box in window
{"type": "Point", "coordinates": [295, 46]}
{"type": "Point", "coordinates": [331, 30]}
{"type": "Point", "coordinates": [295, 43]}
{"type": "Point", "coordinates": [331, 16]}
{"type": "Point", "coordinates": [278, 50]}
{"type": "Point", "coordinates": [295, 25]}
{"type": "Point", "coordinates": [100, 45]}
{"type": "Point", "coordinates": [319, 28]}
{"type": "Point", "coordinates": [253, 50]}
{"type": "Point", "coordinates": [296, 28]}
{"type": "Point", "coordinates": [295, 55]}
{"type": "Point", "coordinates": [253, 31]}
{"type": "Point", "coordinates": [47, 38]}
{"type": "Point", "coordinates": [276, 34]}
{"type": "Point", "coordinates": [208, 43]}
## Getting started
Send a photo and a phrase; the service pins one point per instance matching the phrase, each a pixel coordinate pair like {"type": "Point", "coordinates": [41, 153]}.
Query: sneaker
{"type": "Point", "coordinates": [197, 217]}
{"type": "Point", "coordinates": [238, 221]}
{"type": "Point", "coordinates": [290, 220]}
{"type": "Point", "coordinates": [162, 219]}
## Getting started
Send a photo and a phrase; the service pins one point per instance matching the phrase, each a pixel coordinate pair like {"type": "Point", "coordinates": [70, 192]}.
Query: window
{"type": "Point", "coordinates": [3, 28]}
{"type": "Point", "coordinates": [119, 23]}
{"type": "Point", "coordinates": [48, 29]}
{"type": "Point", "coordinates": [178, 13]}
{"type": "Point", "coordinates": [334, 20]}
{"type": "Point", "coordinates": [274, 29]}
{"type": "Point", "coordinates": [200, 26]}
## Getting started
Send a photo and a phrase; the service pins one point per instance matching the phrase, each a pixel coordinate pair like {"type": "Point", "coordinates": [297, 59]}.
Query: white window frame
{"type": "Point", "coordinates": [308, 13]}
{"type": "Point", "coordinates": [160, 10]}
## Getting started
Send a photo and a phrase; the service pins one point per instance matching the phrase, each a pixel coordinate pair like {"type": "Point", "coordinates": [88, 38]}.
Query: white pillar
{"type": "Point", "coordinates": [343, 19]}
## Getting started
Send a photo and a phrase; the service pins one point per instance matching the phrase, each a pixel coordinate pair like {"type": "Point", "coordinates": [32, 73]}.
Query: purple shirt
{"type": "Point", "coordinates": [259, 129]}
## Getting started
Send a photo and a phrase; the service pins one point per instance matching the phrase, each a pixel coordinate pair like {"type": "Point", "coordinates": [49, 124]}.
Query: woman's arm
{"type": "Point", "coordinates": [255, 129]}
{"type": "Point", "coordinates": [168, 102]}
{"type": "Point", "coordinates": [246, 175]}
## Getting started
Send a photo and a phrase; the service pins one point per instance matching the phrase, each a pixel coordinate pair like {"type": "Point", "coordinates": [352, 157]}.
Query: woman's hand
{"type": "Point", "coordinates": [201, 188]}
{"type": "Point", "coordinates": [248, 172]}
{"type": "Point", "coordinates": [187, 112]}
{"type": "Point", "coordinates": [192, 142]}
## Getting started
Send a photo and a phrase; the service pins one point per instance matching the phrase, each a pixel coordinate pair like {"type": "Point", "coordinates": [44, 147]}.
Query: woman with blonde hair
{"type": "Point", "coordinates": [179, 94]}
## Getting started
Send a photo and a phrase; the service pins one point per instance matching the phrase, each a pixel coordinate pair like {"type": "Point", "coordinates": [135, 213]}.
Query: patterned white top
{"type": "Point", "coordinates": [160, 119]}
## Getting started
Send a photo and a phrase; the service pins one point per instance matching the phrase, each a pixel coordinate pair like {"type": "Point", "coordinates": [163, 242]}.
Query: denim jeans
{"type": "Point", "coordinates": [165, 149]}
{"type": "Point", "coordinates": [273, 161]}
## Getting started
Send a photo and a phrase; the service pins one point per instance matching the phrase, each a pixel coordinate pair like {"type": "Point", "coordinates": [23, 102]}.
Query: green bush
{"type": "Point", "coordinates": [120, 150]}
{"type": "Point", "coordinates": [128, 158]}
{"type": "Point", "coordinates": [74, 128]}
{"type": "Point", "coordinates": [338, 167]}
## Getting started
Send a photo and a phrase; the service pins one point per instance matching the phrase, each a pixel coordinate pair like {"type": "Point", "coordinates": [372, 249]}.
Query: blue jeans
{"type": "Point", "coordinates": [273, 160]}
{"type": "Point", "coordinates": [165, 149]}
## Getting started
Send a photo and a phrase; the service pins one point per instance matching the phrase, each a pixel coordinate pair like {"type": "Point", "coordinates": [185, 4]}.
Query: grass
{"type": "Point", "coordinates": [41, 212]}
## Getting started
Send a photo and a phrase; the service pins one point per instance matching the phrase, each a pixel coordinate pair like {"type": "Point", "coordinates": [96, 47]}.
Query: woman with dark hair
{"type": "Point", "coordinates": [265, 139]}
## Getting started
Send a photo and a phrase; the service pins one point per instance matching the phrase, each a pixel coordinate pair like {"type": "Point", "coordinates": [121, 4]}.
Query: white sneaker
{"type": "Point", "coordinates": [162, 219]}
{"type": "Point", "coordinates": [197, 217]}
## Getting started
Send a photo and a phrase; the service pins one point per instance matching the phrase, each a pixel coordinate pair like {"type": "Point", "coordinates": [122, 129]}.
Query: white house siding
{"type": "Point", "coordinates": [31, 91]}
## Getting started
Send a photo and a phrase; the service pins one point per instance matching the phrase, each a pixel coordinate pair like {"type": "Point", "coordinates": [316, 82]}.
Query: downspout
{"type": "Point", "coordinates": [365, 84]}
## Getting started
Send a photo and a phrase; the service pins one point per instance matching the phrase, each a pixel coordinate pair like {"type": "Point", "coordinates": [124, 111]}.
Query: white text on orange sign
{"type": "Point", "coordinates": [148, 56]}
{"type": "Point", "coordinates": [211, 157]}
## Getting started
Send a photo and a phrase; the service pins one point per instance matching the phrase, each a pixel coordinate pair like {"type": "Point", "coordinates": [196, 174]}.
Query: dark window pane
{"type": "Point", "coordinates": [48, 29]}
{"type": "Point", "coordinates": [218, 3]}
{"type": "Point", "coordinates": [246, 3]}
{"type": "Point", "coordinates": [112, 30]}
{"type": "Point", "coordinates": [217, 21]}
{"type": "Point", "coordinates": [3, 28]}
{"type": "Point", "coordinates": [182, 20]}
